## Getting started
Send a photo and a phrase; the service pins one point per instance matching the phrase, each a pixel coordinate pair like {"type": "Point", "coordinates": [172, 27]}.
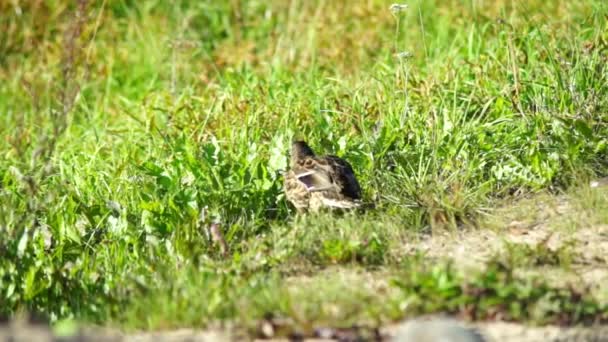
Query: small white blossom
{"type": "Point", "coordinates": [404, 55]}
{"type": "Point", "coordinates": [396, 8]}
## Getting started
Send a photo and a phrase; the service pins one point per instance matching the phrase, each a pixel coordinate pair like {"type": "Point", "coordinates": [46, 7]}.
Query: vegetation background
{"type": "Point", "coordinates": [128, 127]}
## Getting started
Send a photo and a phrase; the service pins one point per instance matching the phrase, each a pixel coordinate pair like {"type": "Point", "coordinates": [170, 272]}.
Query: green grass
{"type": "Point", "coordinates": [122, 121]}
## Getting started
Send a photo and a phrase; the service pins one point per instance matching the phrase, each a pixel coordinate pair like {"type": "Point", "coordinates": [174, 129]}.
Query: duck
{"type": "Point", "coordinates": [314, 182]}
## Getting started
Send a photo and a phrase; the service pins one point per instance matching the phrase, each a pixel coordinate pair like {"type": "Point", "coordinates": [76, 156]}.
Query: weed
{"type": "Point", "coordinates": [539, 254]}
{"type": "Point", "coordinates": [495, 293]}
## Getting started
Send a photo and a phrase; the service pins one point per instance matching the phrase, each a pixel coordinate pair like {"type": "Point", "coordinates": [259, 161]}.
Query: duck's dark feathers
{"type": "Point", "coordinates": [315, 182]}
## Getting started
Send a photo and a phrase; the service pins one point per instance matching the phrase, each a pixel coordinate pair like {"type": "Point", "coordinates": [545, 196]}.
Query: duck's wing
{"type": "Point", "coordinates": [315, 175]}
{"type": "Point", "coordinates": [344, 176]}
{"type": "Point", "coordinates": [323, 182]}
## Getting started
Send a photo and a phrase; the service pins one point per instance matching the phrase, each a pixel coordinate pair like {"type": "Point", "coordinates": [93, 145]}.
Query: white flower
{"type": "Point", "coordinates": [404, 55]}
{"type": "Point", "coordinates": [396, 8]}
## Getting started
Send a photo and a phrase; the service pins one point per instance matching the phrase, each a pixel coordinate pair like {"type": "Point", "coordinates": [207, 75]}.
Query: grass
{"type": "Point", "coordinates": [129, 127]}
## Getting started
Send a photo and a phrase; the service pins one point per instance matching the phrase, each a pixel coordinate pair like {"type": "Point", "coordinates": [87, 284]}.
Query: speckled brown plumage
{"type": "Point", "coordinates": [316, 182]}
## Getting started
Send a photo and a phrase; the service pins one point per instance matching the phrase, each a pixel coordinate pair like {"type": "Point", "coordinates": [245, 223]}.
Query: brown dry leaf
{"type": "Point", "coordinates": [218, 238]}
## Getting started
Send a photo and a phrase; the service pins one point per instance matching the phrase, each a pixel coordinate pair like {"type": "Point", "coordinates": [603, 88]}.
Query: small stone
{"type": "Point", "coordinates": [437, 330]}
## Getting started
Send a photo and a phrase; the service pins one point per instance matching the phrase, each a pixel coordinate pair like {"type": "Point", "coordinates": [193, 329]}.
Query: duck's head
{"type": "Point", "coordinates": [299, 150]}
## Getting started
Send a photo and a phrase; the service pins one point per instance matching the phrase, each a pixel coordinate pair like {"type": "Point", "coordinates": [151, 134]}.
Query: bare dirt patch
{"type": "Point", "coordinates": [555, 224]}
